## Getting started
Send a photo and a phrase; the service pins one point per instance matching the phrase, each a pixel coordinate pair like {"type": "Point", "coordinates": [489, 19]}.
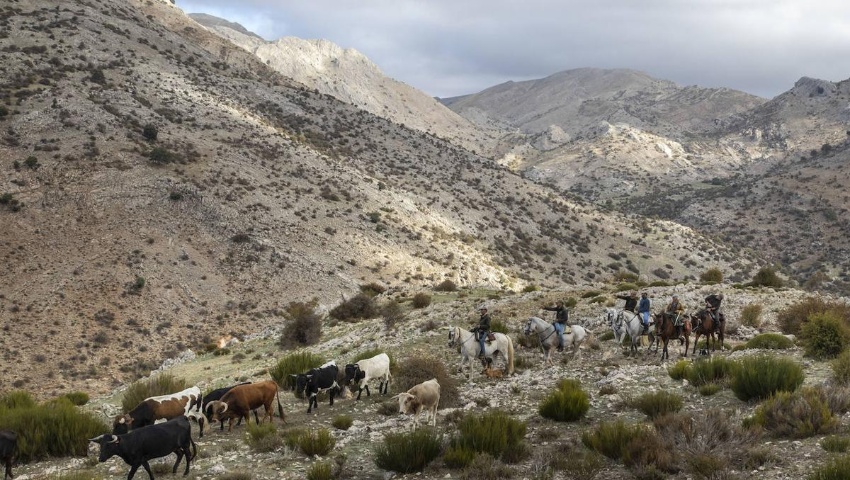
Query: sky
{"type": "Point", "coordinates": [455, 47]}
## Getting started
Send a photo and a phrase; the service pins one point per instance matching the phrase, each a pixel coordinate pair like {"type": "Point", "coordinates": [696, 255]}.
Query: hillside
{"type": "Point", "coordinates": [165, 188]}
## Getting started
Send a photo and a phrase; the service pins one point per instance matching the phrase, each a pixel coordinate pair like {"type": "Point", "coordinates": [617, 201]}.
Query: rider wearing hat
{"type": "Point", "coordinates": [562, 316]}
{"type": "Point", "coordinates": [631, 301]}
{"type": "Point", "coordinates": [674, 312]}
{"type": "Point", "coordinates": [483, 329]}
{"type": "Point", "coordinates": [712, 306]}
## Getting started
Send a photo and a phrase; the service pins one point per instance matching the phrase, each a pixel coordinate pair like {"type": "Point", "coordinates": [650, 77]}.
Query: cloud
{"type": "Point", "coordinates": [448, 48]}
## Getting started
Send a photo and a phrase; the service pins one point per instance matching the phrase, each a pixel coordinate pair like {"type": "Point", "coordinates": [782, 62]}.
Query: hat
{"type": "Point", "coordinates": [675, 296]}
{"type": "Point", "coordinates": [482, 309]}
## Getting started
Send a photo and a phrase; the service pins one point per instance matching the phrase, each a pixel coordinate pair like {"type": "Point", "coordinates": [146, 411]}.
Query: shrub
{"type": "Point", "coordinates": [583, 464]}
{"type": "Point", "coordinates": [679, 370]}
{"type": "Point", "coordinates": [408, 452]}
{"type": "Point", "coordinates": [392, 313]}
{"type": "Point", "coordinates": [77, 398]}
{"type": "Point", "coordinates": [567, 403]}
{"type": "Point", "coordinates": [16, 399]}
{"type": "Point", "coordinates": [373, 289]}
{"type": "Point", "coordinates": [769, 341]}
{"type": "Point", "coordinates": [415, 370]}
{"type": "Point", "coordinates": [495, 433]}
{"type": "Point", "coordinates": [316, 442]}
{"type": "Point", "coordinates": [262, 437]}
{"type": "Point", "coordinates": [498, 326]}
{"type": "Point", "coordinates": [162, 155]}
{"type": "Point", "coordinates": [751, 315]}
{"type": "Point", "coordinates": [762, 376]}
{"type": "Point", "coordinates": [708, 389]}
{"type": "Point", "coordinates": [835, 469]}
{"type": "Point", "coordinates": [767, 277]}
{"type": "Point", "coordinates": [53, 429]}
{"type": "Point", "coordinates": [656, 404]}
{"type": "Point", "coordinates": [712, 370]}
{"type": "Point", "coordinates": [841, 368]}
{"type": "Point", "coordinates": [612, 438]}
{"type": "Point", "coordinates": [458, 456]}
{"type": "Point", "coordinates": [624, 287]}
{"type": "Point", "coordinates": [357, 307]}
{"type": "Point", "coordinates": [446, 286]}
{"type": "Point", "coordinates": [835, 444]}
{"type": "Point", "coordinates": [150, 132]}
{"type": "Point", "coordinates": [712, 275]}
{"type": "Point", "coordinates": [792, 318]}
{"type": "Point", "coordinates": [794, 414]}
{"type": "Point", "coordinates": [304, 326]}
{"type": "Point", "coordinates": [320, 471]}
{"type": "Point", "coordinates": [293, 364]}
{"type": "Point", "coordinates": [421, 300]}
{"type": "Point", "coordinates": [824, 335]}
{"type": "Point", "coordinates": [342, 422]}
{"type": "Point", "coordinates": [162, 384]}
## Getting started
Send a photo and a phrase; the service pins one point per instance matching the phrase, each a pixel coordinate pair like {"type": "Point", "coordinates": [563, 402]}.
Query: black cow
{"type": "Point", "coordinates": [8, 444]}
{"type": "Point", "coordinates": [316, 380]}
{"type": "Point", "coordinates": [153, 441]}
{"type": "Point", "coordinates": [216, 395]}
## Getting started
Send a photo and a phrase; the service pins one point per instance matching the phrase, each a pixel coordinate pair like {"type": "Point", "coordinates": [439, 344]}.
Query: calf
{"type": "Point", "coordinates": [216, 395]}
{"type": "Point", "coordinates": [163, 407]}
{"type": "Point", "coordinates": [241, 399]}
{"type": "Point", "coordinates": [8, 444]}
{"type": "Point", "coordinates": [367, 369]}
{"type": "Point", "coordinates": [146, 443]}
{"type": "Point", "coordinates": [422, 397]}
{"type": "Point", "coordinates": [318, 380]}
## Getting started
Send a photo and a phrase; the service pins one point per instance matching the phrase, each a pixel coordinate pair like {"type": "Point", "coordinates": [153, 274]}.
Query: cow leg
{"type": "Point", "coordinates": [179, 453]}
{"type": "Point", "coordinates": [8, 467]}
{"type": "Point", "coordinates": [229, 424]}
{"type": "Point", "coordinates": [132, 472]}
{"type": "Point", "coordinates": [256, 417]}
{"type": "Point", "coordinates": [333, 391]}
{"type": "Point", "coordinates": [188, 459]}
{"type": "Point", "coordinates": [310, 404]}
{"type": "Point", "coordinates": [367, 391]}
{"type": "Point", "coordinates": [359, 392]}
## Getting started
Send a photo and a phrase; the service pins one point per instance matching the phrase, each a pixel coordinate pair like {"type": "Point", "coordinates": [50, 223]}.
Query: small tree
{"type": "Point", "coordinates": [304, 327]}
{"type": "Point", "coordinates": [150, 132]}
{"type": "Point", "coordinates": [767, 277]}
{"type": "Point", "coordinates": [712, 275]}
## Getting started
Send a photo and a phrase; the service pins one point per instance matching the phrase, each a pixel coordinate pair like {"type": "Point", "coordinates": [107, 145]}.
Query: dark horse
{"type": "Point", "coordinates": [665, 329]}
{"type": "Point", "coordinates": [705, 325]}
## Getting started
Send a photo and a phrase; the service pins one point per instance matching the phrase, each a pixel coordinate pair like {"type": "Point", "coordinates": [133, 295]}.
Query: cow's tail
{"type": "Point", "coordinates": [280, 407]}
{"type": "Point", "coordinates": [510, 355]}
{"type": "Point", "coordinates": [194, 448]}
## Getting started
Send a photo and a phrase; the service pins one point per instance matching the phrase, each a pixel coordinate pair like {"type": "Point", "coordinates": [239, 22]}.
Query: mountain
{"type": "Point", "coordinates": [348, 75]}
{"type": "Point", "coordinates": [165, 188]}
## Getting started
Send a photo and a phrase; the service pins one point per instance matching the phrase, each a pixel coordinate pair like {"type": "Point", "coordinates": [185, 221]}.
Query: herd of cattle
{"type": "Point", "coordinates": [159, 426]}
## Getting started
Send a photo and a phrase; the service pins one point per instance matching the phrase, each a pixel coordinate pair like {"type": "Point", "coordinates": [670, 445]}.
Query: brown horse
{"type": "Point", "coordinates": [705, 325]}
{"type": "Point", "coordinates": [665, 329]}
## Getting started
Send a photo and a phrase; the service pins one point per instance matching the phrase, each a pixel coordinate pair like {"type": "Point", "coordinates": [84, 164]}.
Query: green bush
{"type": "Point", "coordinates": [262, 437]}
{"type": "Point", "coordinates": [769, 341]}
{"type": "Point", "coordinates": [53, 429]}
{"type": "Point", "coordinates": [304, 326]}
{"type": "Point", "coordinates": [751, 315]}
{"type": "Point", "coordinates": [794, 414]}
{"type": "Point", "coordinates": [355, 308]}
{"type": "Point", "coordinates": [612, 439]}
{"type": "Point", "coordinates": [392, 313]}
{"type": "Point", "coordinates": [712, 370]}
{"type": "Point", "coordinates": [762, 376]}
{"type": "Point", "coordinates": [78, 475]}
{"type": "Point", "coordinates": [293, 364]}
{"type": "Point", "coordinates": [495, 433]}
{"type": "Point", "coordinates": [408, 452]}
{"type": "Point", "coordinates": [77, 398]}
{"type": "Point", "coordinates": [162, 384]}
{"type": "Point", "coordinates": [824, 335]}
{"type": "Point", "coordinates": [16, 399]}
{"type": "Point", "coordinates": [498, 326]}
{"type": "Point", "coordinates": [415, 370]}
{"type": "Point", "coordinates": [320, 471]}
{"type": "Point", "coordinates": [835, 469]}
{"type": "Point", "coordinates": [767, 277]}
{"type": "Point", "coordinates": [679, 370]}
{"type": "Point", "coordinates": [792, 318]}
{"type": "Point", "coordinates": [162, 155]}
{"type": "Point", "coordinates": [150, 132]}
{"type": "Point", "coordinates": [446, 286]}
{"type": "Point", "coordinates": [708, 389]}
{"type": "Point", "coordinates": [421, 300]}
{"type": "Point", "coordinates": [567, 403]}
{"type": "Point", "coordinates": [458, 456]}
{"type": "Point", "coordinates": [712, 275]}
{"type": "Point", "coordinates": [373, 289]}
{"type": "Point", "coordinates": [625, 287]}
{"type": "Point", "coordinates": [835, 444]}
{"type": "Point", "coordinates": [841, 368]}
{"type": "Point", "coordinates": [315, 442]}
{"type": "Point", "coordinates": [342, 422]}
{"type": "Point", "coordinates": [656, 404]}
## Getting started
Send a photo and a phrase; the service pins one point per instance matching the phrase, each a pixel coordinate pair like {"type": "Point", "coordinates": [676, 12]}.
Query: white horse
{"type": "Point", "coordinates": [624, 322]}
{"type": "Point", "coordinates": [502, 346]}
{"type": "Point", "coordinates": [549, 339]}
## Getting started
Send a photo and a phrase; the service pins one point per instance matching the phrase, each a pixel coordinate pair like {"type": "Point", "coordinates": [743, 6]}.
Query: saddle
{"type": "Point", "coordinates": [491, 337]}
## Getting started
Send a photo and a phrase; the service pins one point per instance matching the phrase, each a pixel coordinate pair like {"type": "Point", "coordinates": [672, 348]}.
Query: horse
{"type": "Point", "coordinates": [704, 325]}
{"type": "Point", "coordinates": [502, 346]}
{"type": "Point", "coordinates": [666, 330]}
{"type": "Point", "coordinates": [548, 339]}
{"type": "Point", "coordinates": [624, 322]}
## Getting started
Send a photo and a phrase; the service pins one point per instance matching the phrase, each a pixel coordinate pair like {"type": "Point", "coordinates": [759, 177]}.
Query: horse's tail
{"type": "Point", "coordinates": [510, 355]}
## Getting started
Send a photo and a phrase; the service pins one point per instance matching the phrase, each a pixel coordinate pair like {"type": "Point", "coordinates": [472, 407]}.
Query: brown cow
{"type": "Point", "coordinates": [241, 399]}
{"type": "Point", "coordinates": [163, 407]}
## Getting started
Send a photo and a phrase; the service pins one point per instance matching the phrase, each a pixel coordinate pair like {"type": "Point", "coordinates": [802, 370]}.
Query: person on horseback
{"type": "Point", "coordinates": [483, 329]}
{"type": "Point", "coordinates": [643, 311]}
{"type": "Point", "coordinates": [674, 312]}
{"type": "Point", "coordinates": [712, 306]}
{"type": "Point", "coordinates": [562, 316]}
{"type": "Point", "coordinates": [631, 301]}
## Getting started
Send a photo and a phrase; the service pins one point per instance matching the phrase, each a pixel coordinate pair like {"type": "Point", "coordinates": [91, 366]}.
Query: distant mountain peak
{"type": "Point", "coordinates": [211, 20]}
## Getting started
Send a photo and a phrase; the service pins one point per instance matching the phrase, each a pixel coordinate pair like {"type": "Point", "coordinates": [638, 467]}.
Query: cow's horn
{"type": "Point", "coordinates": [225, 407]}
{"type": "Point", "coordinates": [96, 439]}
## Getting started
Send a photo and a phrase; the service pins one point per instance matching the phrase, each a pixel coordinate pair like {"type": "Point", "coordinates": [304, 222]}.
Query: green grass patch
{"type": "Point", "coordinates": [162, 384]}
{"type": "Point", "coordinates": [656, 404]}
{"type": "Point", "coordinates": [769, 341]}
{"type": "Point", "coordinates": [293, 364]}
{"type": "Point", "coordinates": [408, 452]}
{"type": "Point", "coordinates": [567, 403]}
{"type": "Point", "coordinates": [762, 376]}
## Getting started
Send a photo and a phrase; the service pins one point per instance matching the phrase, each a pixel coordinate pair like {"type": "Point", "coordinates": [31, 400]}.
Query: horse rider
{"type": "Point", "coordinates": [631, 301]}
{"type": "Point", "coordinates": [712, 306]}
{"type": "Point", "coordinates": [483, 329]}
{"type": "Point", "coordinates": [562, 316]}
{"type": "Point", "coordinates": [643, 311]}
{"type": "Point", "coordinates": [674, 312]}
